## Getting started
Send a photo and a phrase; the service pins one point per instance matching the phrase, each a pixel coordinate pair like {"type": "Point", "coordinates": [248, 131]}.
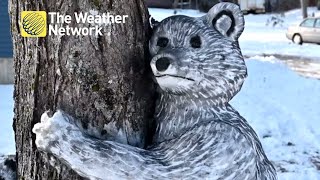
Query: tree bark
{"type": "Point", "coordinates": [104, 82]}
{"type": "Point", "coordinates": [304, 8]}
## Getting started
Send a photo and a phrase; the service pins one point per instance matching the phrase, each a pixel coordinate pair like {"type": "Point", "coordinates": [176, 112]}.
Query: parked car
{"type": "Point", "coordinates": [307, 31]}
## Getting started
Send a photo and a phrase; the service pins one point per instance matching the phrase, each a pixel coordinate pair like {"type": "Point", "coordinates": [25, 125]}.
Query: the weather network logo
{"type": "Point", "coordinates": [33, 23]}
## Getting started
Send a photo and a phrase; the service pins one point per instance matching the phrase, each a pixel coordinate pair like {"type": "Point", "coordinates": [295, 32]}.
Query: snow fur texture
{"type": "Point", "coordinates": [199, 67]}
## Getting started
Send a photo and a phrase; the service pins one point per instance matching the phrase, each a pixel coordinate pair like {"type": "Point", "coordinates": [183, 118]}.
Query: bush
{"type": "Point", "coordinates": [206, 5]}
{"type": "Point", "coordinates": [285, 5]}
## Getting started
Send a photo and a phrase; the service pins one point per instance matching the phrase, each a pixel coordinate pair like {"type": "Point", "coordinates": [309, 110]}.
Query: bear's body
{"type": "Point", "coordinates": [199, 67]}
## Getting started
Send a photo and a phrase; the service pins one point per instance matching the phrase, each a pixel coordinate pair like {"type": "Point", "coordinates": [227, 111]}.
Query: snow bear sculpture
{"type": "Point", "coordinates": [199, 67]}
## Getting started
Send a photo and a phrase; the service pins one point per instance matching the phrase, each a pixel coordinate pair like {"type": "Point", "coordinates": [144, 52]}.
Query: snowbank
{"type": "Point", "coordinates": [283, 108]}
{"type": "Point", "coordinates": [7, 145]}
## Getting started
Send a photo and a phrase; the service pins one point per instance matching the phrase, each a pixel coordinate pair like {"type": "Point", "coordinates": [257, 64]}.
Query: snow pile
{"type": "Point", "coordinates": [7, 145]}
{"type": "Point", "coordinates": [283, 108]}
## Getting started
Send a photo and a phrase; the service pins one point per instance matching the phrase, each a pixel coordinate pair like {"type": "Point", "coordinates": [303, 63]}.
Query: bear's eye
{"type": "Point", "coordinates": [195, 42]}
{"type": "Point", "coordinates": [162, 42]}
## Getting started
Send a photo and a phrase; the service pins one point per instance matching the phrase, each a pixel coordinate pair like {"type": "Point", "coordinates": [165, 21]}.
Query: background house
{"type": "Point", "coordinates": [160, 4]}
{"type": "Point", "coordinates": [285, 5]}
{"type": "Point", "coordinates": [205, 5]}
{"type": "Point", "coordinates": [5, 37]}
{"type": "Point", "coordinates": [202, 5]}
{"type": "Point", "coordinates": [6, 50]}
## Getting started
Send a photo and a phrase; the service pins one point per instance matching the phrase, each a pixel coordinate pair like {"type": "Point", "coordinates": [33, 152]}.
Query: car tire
{"type": "Point", "coordinates": [297, 39]}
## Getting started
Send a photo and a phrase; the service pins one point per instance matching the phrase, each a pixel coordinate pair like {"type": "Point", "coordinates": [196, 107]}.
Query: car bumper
{"type": "Point", "coordinates": [289, 35]}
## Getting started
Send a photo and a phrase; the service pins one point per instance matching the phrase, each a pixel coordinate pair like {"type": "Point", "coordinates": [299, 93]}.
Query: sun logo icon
{"type": "Point", "coordinates": [33, 23]}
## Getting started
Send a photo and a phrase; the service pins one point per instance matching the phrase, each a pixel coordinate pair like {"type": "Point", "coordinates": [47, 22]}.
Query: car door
{"type": "Point", "coordinates": [316, 31]}
{"type": "Point", "coordinates": [306, 29]}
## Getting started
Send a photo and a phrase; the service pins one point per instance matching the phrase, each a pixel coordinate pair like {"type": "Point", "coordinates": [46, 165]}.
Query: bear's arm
{"type": "Point", "coordinates": [89, 157]}
{"type": "Point", "coordinates": [203, 152]}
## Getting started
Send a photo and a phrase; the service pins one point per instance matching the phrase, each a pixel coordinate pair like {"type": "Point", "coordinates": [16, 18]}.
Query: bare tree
{"type": "Point", "coordinates": [103, 81]}
{"type": "Point", "coordinates": [304, 8]}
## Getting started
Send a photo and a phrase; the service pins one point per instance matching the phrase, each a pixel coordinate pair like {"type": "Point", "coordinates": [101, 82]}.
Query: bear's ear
{"type": "Point", "coordinates": [226, 18]}
{"type": "Point", "coordinates": [153, 23]}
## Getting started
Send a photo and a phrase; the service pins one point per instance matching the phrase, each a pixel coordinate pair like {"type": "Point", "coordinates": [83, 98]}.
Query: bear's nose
{"type": "Point", "coordinates": [162, 64]}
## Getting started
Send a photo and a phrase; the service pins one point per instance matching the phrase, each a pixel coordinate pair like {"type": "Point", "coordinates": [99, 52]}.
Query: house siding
{"type": "Point", "coordinates": [5, 36]}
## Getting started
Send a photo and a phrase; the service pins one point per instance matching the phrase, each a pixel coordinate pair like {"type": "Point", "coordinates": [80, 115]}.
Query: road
{"type": "Point", "coordinates": [308, 67]}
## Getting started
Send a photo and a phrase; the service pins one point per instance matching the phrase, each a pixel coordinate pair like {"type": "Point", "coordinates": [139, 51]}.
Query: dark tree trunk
{"type": "Point", "coordinates": [103, 81]}
{"type": "Point", "coordinates": [304, 8]}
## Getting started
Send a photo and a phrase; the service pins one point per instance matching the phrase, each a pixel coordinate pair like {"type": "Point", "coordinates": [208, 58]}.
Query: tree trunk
{"type": "Point", "coordinates": [104, 82]}
{"type": "Point", "coordinates": [304, 8]}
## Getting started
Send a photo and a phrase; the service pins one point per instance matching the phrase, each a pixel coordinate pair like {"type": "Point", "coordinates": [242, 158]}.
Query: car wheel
{"type": "Point", "coordinates": [297, 39]}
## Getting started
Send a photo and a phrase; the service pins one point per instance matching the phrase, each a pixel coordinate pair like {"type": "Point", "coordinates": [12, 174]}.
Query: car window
{"type": "Point", "coordinates": [307, 23]}
{"type": "Point", "coordinates": [317, 25]}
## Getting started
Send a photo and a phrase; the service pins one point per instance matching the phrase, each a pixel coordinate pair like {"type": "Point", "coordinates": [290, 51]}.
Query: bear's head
{"type": "Point", "coordinates": [200, 57]}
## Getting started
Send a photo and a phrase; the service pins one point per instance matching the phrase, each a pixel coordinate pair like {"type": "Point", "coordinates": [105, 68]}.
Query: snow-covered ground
{"type": "Point", "coordinates": [6, 118]}
{"type": "Point", "coordinates": [283, 108]}
{"type": "Point", "coordinates": [259, 38]}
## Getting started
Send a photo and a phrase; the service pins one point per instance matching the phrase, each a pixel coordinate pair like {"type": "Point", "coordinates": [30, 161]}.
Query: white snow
{"type": "Point", "coordinates": [7, 145]}
{"type": "Point", "coordinates": [260, 38]}
{"type": "Point", "coordinates": [283, 108]}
